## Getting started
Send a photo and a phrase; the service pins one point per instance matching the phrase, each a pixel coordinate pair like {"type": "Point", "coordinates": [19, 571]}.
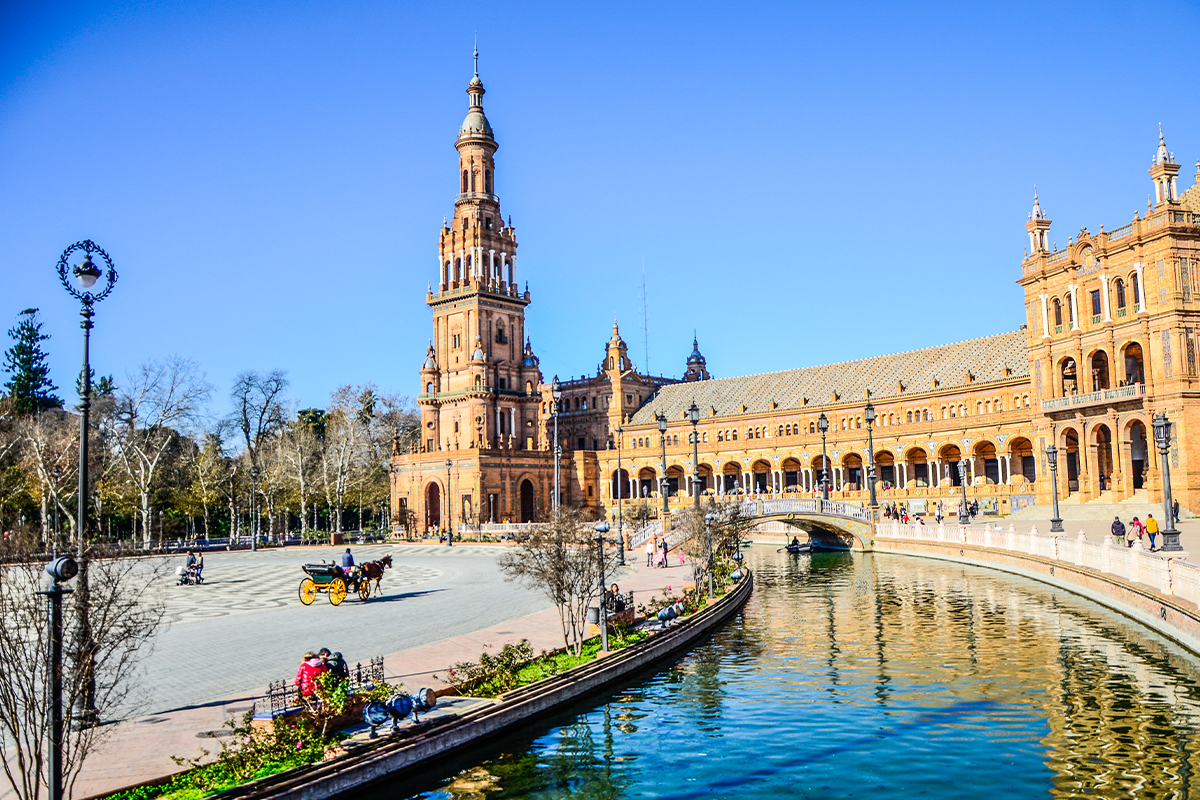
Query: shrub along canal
{"type": "Point", "coordinates": [852, 675]}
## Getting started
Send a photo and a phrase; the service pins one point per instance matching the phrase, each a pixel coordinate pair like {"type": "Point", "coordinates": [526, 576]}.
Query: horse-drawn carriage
{"type": "Point", "coordinates": [336, 583]}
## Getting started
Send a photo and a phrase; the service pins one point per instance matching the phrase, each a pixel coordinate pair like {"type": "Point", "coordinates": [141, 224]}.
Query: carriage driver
{"type": "Point", "coordinates": [347, 562]}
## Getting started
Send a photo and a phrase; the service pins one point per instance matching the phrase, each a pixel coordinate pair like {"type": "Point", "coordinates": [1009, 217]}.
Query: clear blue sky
{"type": "Point", "coordinates": [806, 183]}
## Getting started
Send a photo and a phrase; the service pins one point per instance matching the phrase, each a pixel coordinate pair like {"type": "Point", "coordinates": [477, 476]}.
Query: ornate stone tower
{"type": "Point", "coordinates": [479, 386]}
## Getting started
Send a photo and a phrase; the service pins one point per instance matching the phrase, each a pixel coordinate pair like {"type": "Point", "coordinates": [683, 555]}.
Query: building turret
{"type": "Point", "coordinates": [697, 369]}
{"type": "Point", "coordinates": [1038, 227]}
{"type": "Point", "coordinates": [1164, 171]}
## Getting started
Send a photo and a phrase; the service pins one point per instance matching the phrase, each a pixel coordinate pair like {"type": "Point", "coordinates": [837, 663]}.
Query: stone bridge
{"type": "Point", "coordinates": [833, 523]}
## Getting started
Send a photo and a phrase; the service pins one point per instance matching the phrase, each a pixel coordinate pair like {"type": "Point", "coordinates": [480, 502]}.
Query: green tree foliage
{"type": "Point", "coordinates": [29, 385]}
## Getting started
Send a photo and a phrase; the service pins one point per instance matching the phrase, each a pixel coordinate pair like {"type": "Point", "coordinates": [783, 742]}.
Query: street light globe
{"type": "Point", "coordinates": [822, 422]}
{"type": "Point", "coordinates": [1162, 431]}
{"type": "Point", "coordinates": [601, 528]}
{"type": "Point", "coordinates": [555, 388]}
{"type": "Point", "coordinates": [87, 273]}
{"type": "Point", "coordinates": [662, 422]}
{"type": "Point", "coordinates": [1052, 456]}
{"type": "Point", "coordinates": [869, 413]}
{"type": "Point", "coordinates": [693, 413]}
{"type": "Point", "coordinates": [709, 517]}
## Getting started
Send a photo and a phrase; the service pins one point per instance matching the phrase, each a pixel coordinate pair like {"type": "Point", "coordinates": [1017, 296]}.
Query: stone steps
{"type": "Point", "coordinates": [1100, 509]}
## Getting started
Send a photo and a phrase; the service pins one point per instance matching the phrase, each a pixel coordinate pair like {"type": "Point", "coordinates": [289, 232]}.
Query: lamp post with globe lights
{"type": "Point", "coordinates": [693, 412]}
{"type": "Point", "coordinates": [1056, 525]}
{"type": "Point", "coordinates": [661, 418]}
{"type": "Point", "coordinates": [1162, 437]}
{"type": "Point", "coordinates": [619, 485]}
{"type": "Point", "coordinates": [964, 516]}
{"type": "Point", "coordinates": [869, 416]}
{"type": "Point", "coordinates": [823, 427]}
{"type": "Point", "coordinates": [449, 506]}
{"type": "Point", "coordinates": [556, 394]}
{"type": "Point", "coordinates": [601, 528]}
{"type": "Point", "coordinates": [87, 273]}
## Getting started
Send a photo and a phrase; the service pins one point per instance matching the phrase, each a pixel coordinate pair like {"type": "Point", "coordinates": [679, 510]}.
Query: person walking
{"type": "Point", "coordinates": [940, 516]}
{"type": "Point", "coordinates": [1137, 528]}
{"type": "Point", "coordinates": [1118, 530]}
{"type": "Point", "coordinates": [1151, 529]}
{"type": "Point", "coordinates": [665, 548]}
{"type": "Point", "coordinates": [199, 566]}
{"type": "Point", "coordinates": [1175, 511]}
{"type": "Point", "coordinates": [1130, 536]}
{"type": "Point", "coordinates": [650, 551]}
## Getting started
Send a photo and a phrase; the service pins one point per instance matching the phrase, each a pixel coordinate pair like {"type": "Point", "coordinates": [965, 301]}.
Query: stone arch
{"type": "Point", "coordinates": [854, 474]}
{"type": "Point", "coordinates": [762, 478]}
{"type": "Point", "coordinates": [1067, 376]}
{"type": "Point", "coordinates": [986, 461]}
{"type": "Point", "coordinates": [1021, 459]}
{"type": "Point", "coordinates": [793, 474]}
{"type": "Point", "coordinates": [1099, 370]}
{"type": "Point", "coordinates": [916, 467]}
{"type": "Point", "coordinates": [619, 484]}
{"type": "Point", "coordinates": [433, 505]}
{"type": "Point", "coordinates": [647, 482]}
{"type": "Point", "coordinates": [1132, 362]}
{"type": "Point", "coordinates": [885, 468]}
{"type": "Point", "coordinates": [676, 480]}
{"type": "Point", "coordinates": [731, 477]}
{"type": "Point", "coordinates": [1070, 461]}
{"type": "Point", "coordinates": [528, 500]}
{"type": "Point", "coordinates": [1102, 438]}
{"type": "Point", "coordinates": [707, 484]}
{"type": "Point", "coordinates": [1140, 456]}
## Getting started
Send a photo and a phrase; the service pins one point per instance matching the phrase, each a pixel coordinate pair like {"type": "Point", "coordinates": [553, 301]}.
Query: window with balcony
{"type": "Point", "coordinates": [1097, 311]}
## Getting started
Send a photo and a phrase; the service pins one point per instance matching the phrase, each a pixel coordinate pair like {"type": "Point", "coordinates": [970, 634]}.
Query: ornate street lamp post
{"type": "Point", "coordinates": [619, 485]}
{"type": "Point", "coordinates": [1056, 525]}
{"type": "Point", "coordinates": [449, 507]}
{"type": "Point", "coordinates": [253, 507]}
{"type": "Point", "coordinates": [556, 393]}
{"type": "Point", "coordinates": [601, 529]}
{"type": "Point", "coordinates": [61, 569]}
{"type": "Point", "coordinates": [869, 416]}
{"type": "Point", "coordinates": [1162, 437]}
{"type": "Point", "coordinates": [823, 427]}
{"type": "Point", "coordinates": [964, 515]}
{"type": "Point", "coordinates": [56, 472]}
{"type": "Point", "coordinates": [708, 521]}
{"type": "Point", "coordinates": [662, 438]}
{"type": "Point", "coordinates": [693, 412]}
{"type": "Point", "coordinates": [87, 273]}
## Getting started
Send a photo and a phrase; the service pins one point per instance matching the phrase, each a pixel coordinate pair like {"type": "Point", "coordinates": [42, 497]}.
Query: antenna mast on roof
{"type": "Point", "coordinates": [645, 318]}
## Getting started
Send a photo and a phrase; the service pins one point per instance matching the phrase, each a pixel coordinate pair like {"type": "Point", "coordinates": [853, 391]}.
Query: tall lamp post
{"type": "Point", "coordinates": [449, 507]}
{"type": "Point", "coordinates": [823, 427]}
{"type": "Point", "coordinates": [1056, 525]}
{"type": "Point", "coordinates": [601, 529]}
{"type": "Point", "coordinates": [556, 393]}
{"type": "Point", "coordinates": [87, 274]}
{"type": "Point", "coordinates": [60, 569]}
{"type": "Point", "coordinates": [708, 521]}
{"type": "Point", "coordinates": [869, 416]}
{"type": "Point", "coordinates": [964, 515]}
{"type": "Point", "coordinates": [619, 485]}
{"type": "Point", "coordinates": [1162, 437]}
{"type": "Point", "coordinates": [693, 413]}
{"type": "Point", "coordinates": [253, 507]}
{"type": "Point", "coordinates": [56, 472]}
{"type": "Point", "coordinates": [662, 438]}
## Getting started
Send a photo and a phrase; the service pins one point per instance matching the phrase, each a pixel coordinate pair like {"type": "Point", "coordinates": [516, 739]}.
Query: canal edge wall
{"type": "Point", "coordinates": [1175, 617]}
{"type": "Point", "coordinates": [385, 757]}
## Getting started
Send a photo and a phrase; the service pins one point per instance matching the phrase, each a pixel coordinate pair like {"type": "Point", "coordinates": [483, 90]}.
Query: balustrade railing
{"type": "Point", "coordinates": [1120, 233]}
{"type": "Point", "coordinates": [1168, 576]}
{"type": "Point", "coordinates": [1095, 398]}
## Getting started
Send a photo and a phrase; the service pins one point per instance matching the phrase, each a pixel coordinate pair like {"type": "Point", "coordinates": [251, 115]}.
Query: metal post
{"type": "Point", "coordinates": [253, 505]}
{"type": "Point", "coordinates": [555, 394]}
{"type": "Point", "coordinates": [964, 516]}
{"type": "Point", "coordinates": [823, 426]}
{"type": "Point", "coordinates": [620, 486]}
{"type": "Point", "coordinates": [1162, 436]}
{"type": "Point", "coordinates": [1056, 523]}
{"type": "Point", "coordinates": [870, 417]}
{"type": "Point", "coordinates": [449, 507]}
{"type": "Point", "coordinates": [662, 437]}
{"type": "Point", "coordinates": [601, 529]}
{"type": "Point", "coordinates": [694, 417]}
{"type": "Point", "coordinates": [708, 520]}
{"type": "Point", "coordinates": [60, 569]}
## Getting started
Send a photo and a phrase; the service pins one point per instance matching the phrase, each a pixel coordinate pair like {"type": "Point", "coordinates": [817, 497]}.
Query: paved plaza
{"type": "Point", "coordinates": [245, 626]}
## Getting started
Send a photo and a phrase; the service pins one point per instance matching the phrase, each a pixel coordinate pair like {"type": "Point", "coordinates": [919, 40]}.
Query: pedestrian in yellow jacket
{"type": "Point", "coordinates": [1151, 528]}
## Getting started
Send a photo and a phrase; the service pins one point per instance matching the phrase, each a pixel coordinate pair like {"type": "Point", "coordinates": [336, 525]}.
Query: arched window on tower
{"type": "Point", "coordinates": [488, 182]}
{"type": "Point", "coordinates": [1120, 290]}
{"type": "Point", "coordinates": [1137, 295]}
{"type": "Point", "coordinates": [1057, 316]}
{"type": "Point", "coordinates": [464, 181]}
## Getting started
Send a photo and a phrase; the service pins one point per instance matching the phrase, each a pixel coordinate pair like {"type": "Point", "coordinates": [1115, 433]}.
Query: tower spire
{"type": "Point", "coordinates": [477, 57]}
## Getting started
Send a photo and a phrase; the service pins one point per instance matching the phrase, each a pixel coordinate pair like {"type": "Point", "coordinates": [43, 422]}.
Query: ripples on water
{"type": "Point", "coordinates": [852, 675]}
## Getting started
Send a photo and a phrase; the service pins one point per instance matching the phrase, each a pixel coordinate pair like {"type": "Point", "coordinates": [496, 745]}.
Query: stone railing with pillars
{"type": "Point", "coordinates": [1133, 390]}
{"type": "Point", "coordinates": [1169, 576]}
{"type": "Point", "coordinates": [760, 507]}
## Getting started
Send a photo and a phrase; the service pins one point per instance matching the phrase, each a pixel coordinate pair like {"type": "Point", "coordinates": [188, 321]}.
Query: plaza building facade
{"type": "Point", "coordinates": [1109, 341]}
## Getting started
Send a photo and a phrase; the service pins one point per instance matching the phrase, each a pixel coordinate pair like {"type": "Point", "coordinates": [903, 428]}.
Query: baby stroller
{"type": "Point", "coordinates": [188, 576]}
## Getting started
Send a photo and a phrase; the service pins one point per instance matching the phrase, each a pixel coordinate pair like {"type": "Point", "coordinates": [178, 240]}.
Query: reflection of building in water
{"type": "Point", "coordinates": [1115, 694]}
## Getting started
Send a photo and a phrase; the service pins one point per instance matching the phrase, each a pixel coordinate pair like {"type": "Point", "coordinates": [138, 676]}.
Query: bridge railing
{"type": "Point", "coordinates": [1170, 576]}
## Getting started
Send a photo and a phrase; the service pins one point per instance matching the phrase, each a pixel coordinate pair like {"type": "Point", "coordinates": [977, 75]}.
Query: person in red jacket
{"type": "Point", "coordinates": [306, 676]}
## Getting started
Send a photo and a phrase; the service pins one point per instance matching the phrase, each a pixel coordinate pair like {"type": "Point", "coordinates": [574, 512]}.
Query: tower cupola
{"type": "Point", "coordinates": [1038, 227]}
{"type": "Point", "coordinates": [697, 369]}
{"type": "Point", "coordinates": [1164, 171]}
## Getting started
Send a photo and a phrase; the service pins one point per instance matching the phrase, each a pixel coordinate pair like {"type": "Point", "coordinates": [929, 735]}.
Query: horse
{"type": "Point", "coordinates": [373, 570]}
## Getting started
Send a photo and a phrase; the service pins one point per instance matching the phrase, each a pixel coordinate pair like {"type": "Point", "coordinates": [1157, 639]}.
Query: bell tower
{"type": "Point", "coordinates": [479, 386]}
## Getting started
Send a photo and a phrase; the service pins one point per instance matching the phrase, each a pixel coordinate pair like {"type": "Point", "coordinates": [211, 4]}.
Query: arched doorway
{"type": "Point", "coordinates": [732, 473]}
{"type": "Point", "coordinates": [950, 455]}
{"type": "Point", "coordinates": [1133, 365]}
{"type": "Point", "coordinates": [676, 480]}
{"type": "Point", "coordinates": [706, 478]}
{"type": "Point", "coordinates": [885, 469]}
{"type": "Point", "coordinates": [1137, 453]}
{"type": "Point", "coordinates": [1070, 384]}
{"type": "Point", "coordinates": [1071, 446]}
{"type": "Point", "coordinates": [528, 506]}
{"type": "Point", "coordinates": [917, 463]}
{"type": "Point", "coordinates": [1099, 371]}
{"type": "Point", "coordinates": [433, 506]}
{"type": "Point", "coordinates": [822, 470]}
{"type": "Point", "coordinates": [762, 476]}
{"type": "Point", "coordinates": [1021, 460]}
{"type": "Point", "coordinates": [791, 474]}
{"type": "Point", "coordinates": [1104, 457]}
{"type": "Point", "coordinates": [852, 472]}
{"type": "Point", "coordinates": [620, 485]}
{"type": "Point", "coordinates": [985, 457]}
{"type": "Point", "coordinates": [647, 482]}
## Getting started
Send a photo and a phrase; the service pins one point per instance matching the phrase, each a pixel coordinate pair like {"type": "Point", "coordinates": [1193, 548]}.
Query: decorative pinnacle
{"type": "Point", "coordinates": [1160, 136]}
{"type": "Point", "coordinates": [477, 57]}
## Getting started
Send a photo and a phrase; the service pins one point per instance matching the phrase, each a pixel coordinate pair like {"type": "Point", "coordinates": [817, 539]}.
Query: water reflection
{"type": "Point", "coordinates": [899, 677]}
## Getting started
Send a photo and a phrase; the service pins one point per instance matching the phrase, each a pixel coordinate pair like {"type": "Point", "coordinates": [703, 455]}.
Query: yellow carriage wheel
{"type": "Point", "coordinates": [364, 589]}
{"type": "Point", "coordinates": [337, 591]}
{"type": "Point", "coordinates": [308, 591]}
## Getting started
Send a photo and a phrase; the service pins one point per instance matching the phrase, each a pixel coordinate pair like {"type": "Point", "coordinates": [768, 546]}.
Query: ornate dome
{"type": "Point", "coordinates": [695, 357]}
{"type": "Point", "coordinates": [430, 358]}
{"type": "Point", "coordinates": [1037, 212]}
{"type": "Point", "coordinates": [475, 124]}
{"type": "Point", "coordinates": [478, 354]}
{"type": "Point", "coordinates": [530, 359]}
{"type": "Point", "coordinates": [1161, 156]}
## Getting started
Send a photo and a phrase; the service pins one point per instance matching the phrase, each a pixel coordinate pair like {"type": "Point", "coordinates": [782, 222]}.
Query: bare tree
{"type": "Point", "coordinates": [299, 453]}
{"type": "Point", "coordinates": [258, 412]}
{"type": "Point", "coordinates": [163, 397]}
{"type": "Point", "coordinates": [560, 559]}
{"type": "Point", "coordinates": [347, 443]}
{"type": "Point", "coordinates": [126, 613]}
{"type": "Point", "coordinates": [49, 453]}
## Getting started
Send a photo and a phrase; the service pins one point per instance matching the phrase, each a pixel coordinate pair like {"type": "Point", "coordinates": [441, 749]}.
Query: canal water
{"type": "Point", "coordinates": [865, 675]}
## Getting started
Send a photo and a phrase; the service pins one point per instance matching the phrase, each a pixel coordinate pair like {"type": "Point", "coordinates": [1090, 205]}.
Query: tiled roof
{"type": "Point", "coordinates": [1191, 198]}
{"type": "Point", "coordinates": [986, 359]}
